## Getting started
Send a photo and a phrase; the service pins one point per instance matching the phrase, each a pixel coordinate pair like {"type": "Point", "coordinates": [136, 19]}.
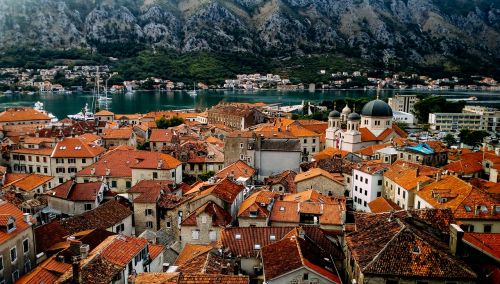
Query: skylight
{"type": "Point", "coordinates": [237, 236]}
{"type": "Point", "coordinates": [467, 208]}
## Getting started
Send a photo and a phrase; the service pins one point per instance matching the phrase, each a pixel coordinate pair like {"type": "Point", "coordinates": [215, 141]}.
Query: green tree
{"type": "Point", "coordinates": [434, 104]}
{"type": "Point", "coordinates": [143, 145]}
{"type": "Point", "coordinates": [450, 140]}
{"type": "Point", "coordinates": [206, 175]}
{"type": "Point", "coordinates": [472, 138]}
{"type": "Point", "coordinates": [402, 125]}
{"type": "Point", "coordinates": [164, 123]}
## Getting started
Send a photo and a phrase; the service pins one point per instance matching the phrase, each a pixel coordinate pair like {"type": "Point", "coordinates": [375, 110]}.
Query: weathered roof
{"type": "Point", "coordinates": [390, 244]}
{"type": "Point", "coordinates": [218, 215]}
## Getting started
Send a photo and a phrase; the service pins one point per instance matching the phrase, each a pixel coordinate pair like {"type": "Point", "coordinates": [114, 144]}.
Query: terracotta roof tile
{"type": "Point", "coordinates": [407, 175]}
{"type": "Point", "coordinates": [488, 243]}
{"type": "Point", "coordinates": [219, 216]}
{"type": "Point", "coordinates": [285, 178]}
{"type": "Point", "coordinates": [101, 217]}
{"type": "Point", "coordinates": [389, 244]}
{"type": "Point", "coordinates": [120, 163]}
{"type": "Point", "coordinates": [225, 189]}
{"type": "Point", "coordinates": [315, 172]}
{"type": "Point", "coordinates": [27, 182]}
{"type": "Point", "coordinates": [237, 169]}
{"type": "Point", "coordinates": [157, 278]}
{"type": "Point", "coordinates": [22, 114]}
{"type": "Point", "coordinates": [150, 191]}
{"type": "Point", "coordinates": [191, 251]}
{"type": "Point", "coordinates": [120, 133]}
{"type": "Point", "coordinates": [382, 204]}
{"type": "Point", "coordinates": [257, 203]}
{"type": "Point", "coordinates": [70, 190]}
{"type": "Point", "coordinates": [9, 212]}
{"type": "Point", "coordinates": [241, 241]}
{"type": "Point", "coordinates": [162, 135]}
{"type": "Point", "coordinates": [448, 192]}
{"type": "Point", "coordinates": [292, 253]}
{"type": "Point", "coordinates": [329, 153]}
{"type": "Point", "coordinates": [41, 151]}
{"type": "Point", "coordinates": [478, 204]}
{"type": "Point", "coordinates": [76, 148]}
{"type": "Point", "coordinates": [123, 249]}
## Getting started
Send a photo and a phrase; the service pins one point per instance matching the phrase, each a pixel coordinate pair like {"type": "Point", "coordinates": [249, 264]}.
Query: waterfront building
{"type": "Point", "coordinates": [456, 121]}
{"type": "Point", "coordinates": [490, 116]}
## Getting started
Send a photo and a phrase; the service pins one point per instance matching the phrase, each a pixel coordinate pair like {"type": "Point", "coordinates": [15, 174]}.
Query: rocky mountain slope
{"type": "Point", "coordinates": [415, 30]}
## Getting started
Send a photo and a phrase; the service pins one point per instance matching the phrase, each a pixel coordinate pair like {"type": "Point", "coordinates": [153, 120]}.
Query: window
{"type": "Point", "coordinates": [149, 224]}
{"type": "Point", "coordinates": [355, 188]}
{"type": "Point", "coordinates": [404, 194]}
{"type": "Point", "coordinates": [168, 224]}
{"type": "Point", "coordinates": [72, 170]}
{"type": "Point", "coordinates": [15, 275]}
{"type": "Point", "coordinates": [195, 234]}
{"type": "Point", "coordinates": [84, 161]}
{"type": "Point", "coordinates": [1, 263]}
{"type": "Point", "coordinates": [241, 145]}
{"type": "Point", "coordinates": [379, 182]}
{"type": "Point", "coordinates": [26, 246]}
{"type": "Point", "coordinates": [305, 141]}
{"type": "Point", "coordinates": [306, 276]}
{"type": "Point", "coordinates": [148, 212]}
{"type": "Point", "coordinates": [155, 175]}
{"type": "Point", "coordinates": [379, 194]}
{"type": "Point", "coordinates": [113, 183]}
{"type": "Point", "coordinates": [72, 161]}
{"type": "Point", "coordinates": [366, 180]}
{"type": "Point", "coordinates": [128, 184]}
{"type": "Point", "coordinates": [237, 236]}
{"type": "Point", "coordinates": [399, 190]}
{"type": "Point", "coordinates": [272, 237]}
{"type": "Point", "coordinates": [13, 254]}
{"type": "Point", "coordinates": [487, 228]}
{"type": "Point", "coordinates": [256, 246]}
{"type": "Point", "coordinates": [212, 235]}
{"type": "Point", "coordinates": [418, 205]}
{"type": "Point", "coordinates": [364, 203]}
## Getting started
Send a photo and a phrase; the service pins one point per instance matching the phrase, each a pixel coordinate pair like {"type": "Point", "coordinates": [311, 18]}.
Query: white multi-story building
{"type": "Point", "coordinates": [404, 103]}
{"type": "Point", "coordinates": [367, 183]}
{"type": "Point", "coordinates": [401, 116]}
{"type": "Point", "coordinates": [456, 121]}
{"type": "Point", "coordinates": [490, 116]}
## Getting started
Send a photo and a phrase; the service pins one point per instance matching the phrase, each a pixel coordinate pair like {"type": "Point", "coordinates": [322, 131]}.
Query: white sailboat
{"type": "Point", "coordinates": [84, 115]}
{"type": "Point", "coordinates": [193, 93]}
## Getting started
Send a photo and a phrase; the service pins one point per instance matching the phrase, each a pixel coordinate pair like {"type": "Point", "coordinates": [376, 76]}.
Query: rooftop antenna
{"type": "Point", "coordinates": [335, 105]}
{"type": "Point", "coordinates": [378, 92]}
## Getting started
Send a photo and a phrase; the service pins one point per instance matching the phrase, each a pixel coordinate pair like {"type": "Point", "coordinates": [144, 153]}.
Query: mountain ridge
{"type": "Point", "coordinates": [419, 31]}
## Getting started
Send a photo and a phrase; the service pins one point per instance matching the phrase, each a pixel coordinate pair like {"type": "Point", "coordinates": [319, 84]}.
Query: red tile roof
{"type": "Point", "coordinates": [120, 133]}
{"type": "Point", "coordinates": [9, 211]}
{"type": "Point", "coordinates": [22, 114]}
{"type": "Point", "coordinates": [389, 244]}
{"type": "Point", "coordinates": [382, 204]}
{"type": "Point", "coordinates": [121, 162]}
{"type": "Point", "coordinates": [257, 202]}
{"type": "Point", "coordinates": [478, 204]}
{"type": "Point", "coordinates": [76, 148]}
{"type": "Point", "coordinates": [149, 191]}
{"type": "Point", "coordinates": [162, 135]}
{"type": "Point", "coordinates": [294, 252]}
{"type": "Point", "coordinates": [70, 190]}
{"type": "Point", "coordinates": [237, 169]}
{"type": "Point", "coordinates": [488, 243]}
{"type": "Point", "coordinates": [218, 215]}
{"type": "Point", "coordinates": [227, 190]}
{"type": "Point", "coordinates": [241, 241]}
{"type": "Point", "coordinates": [103, 217]}
{"type": "Point", "coordinates": [286, 179]}
{"type": "Point", "coordinates": [191, 251]}
{"type": "Point", "coordinates": [27, 182]}
{"type": "Point", "coordinates": [123, 249]}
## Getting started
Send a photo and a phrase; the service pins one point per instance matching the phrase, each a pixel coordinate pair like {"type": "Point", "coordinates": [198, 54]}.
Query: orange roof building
{"type": "Point", "coordinates": [13, 116]}
{"type": "Point", "coordinates": [132, 166]}
{"type": "Point", "coordinates": [324, 182]}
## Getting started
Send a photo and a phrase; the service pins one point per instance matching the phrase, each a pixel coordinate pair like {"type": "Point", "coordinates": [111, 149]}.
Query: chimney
{"type": "Point", "coordinates": [84, 251]}
{"type": "Point", "coordinates": [76, 271]}
{"type": "Point", "coordinates": [27, 218]}
{"type": "Point", "coordinates": [438, 176]}
{"type": "Point", "coordinates": [456, 235]}
{"type": "Point", "coordinates": [108, 172]}
{"type": "Point", "coordinates": [92, 171]}
{"type": "Point", "coordinates": [74, 247]}
{"type": "Point", "coordinates": [419, 186]}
